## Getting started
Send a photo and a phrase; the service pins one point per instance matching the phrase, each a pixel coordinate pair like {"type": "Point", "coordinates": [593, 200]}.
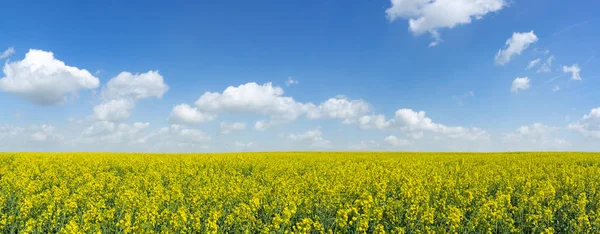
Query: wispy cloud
{"type": "Point", "coordinates": [572, 26]}
{"type": "Point", "coordinates": [7, 52]}
{"type": "Point", "coordinates": [460, 98]}
{"type": "Point", "coordinates": [589, 60]}
{"type": "Point", "coordinates": [554, 78]}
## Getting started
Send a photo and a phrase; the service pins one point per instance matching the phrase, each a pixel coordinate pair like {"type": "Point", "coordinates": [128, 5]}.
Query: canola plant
{"type": "Point", "coordinates": [317, 192]}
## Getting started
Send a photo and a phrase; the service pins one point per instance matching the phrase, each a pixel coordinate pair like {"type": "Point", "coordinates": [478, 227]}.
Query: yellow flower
{"type": "Point", "coordinates": [300, 193]}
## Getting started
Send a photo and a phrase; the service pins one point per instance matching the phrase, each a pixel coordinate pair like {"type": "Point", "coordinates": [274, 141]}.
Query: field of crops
{"type": "Point", "coordinates": [300, 193]}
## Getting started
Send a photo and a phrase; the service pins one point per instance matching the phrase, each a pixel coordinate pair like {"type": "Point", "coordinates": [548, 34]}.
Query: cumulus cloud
{"type": "Point", "coordinates": [373, 122]}
{"type": "Point", "coordinates": [534, 137]}
{"type": "Point", "coordinates": [533, 63]}
{"type": "Point", "coordinates": [8, 52]}
{"type": "Point", "coordinates": [185, 114]}
{"type": "Point", "coordinates": [113, 110]}
{"type": "Point", "coordinates": [430, 16]}
{"type": "Point", "coordinates": [135, 86]}
{"type": "Point", "coordinates": [339, 108]}
{"type": "Point", "coordinates": [574, 70]}
{"type": "Point", "coordinates": [395, 141]}
{"type": "Point", "coordinates": [227, 128]}
{"type": "Point", "coordinates": [408, 119]}
{"type": "Point", "coordinates": [123, 91]}
{"type": "Point", "coordinates": [43, 79]}
{"type": "Point", "coordinates": [266, 99]}
{"type": "Point", "coordinates": [414, 123]}
{"type": "Point", "coordinates": [253, 98]}
{"type": "Point", "coordinates": [514, 46]}
{"type": "Point", "coordinates": [118, 98]}
{"type": "Point", "coordinates": [588, 125]}
{"type": "Point", "coordinates": [547, 66]}
{"type": "Point", "coordinates": [313, 136]}
{"type": "Point", "coordinates": [520, 83]}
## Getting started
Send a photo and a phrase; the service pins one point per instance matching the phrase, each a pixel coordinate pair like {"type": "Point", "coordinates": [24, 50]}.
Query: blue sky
{"type": "Point", "coordinates": [63, 86]}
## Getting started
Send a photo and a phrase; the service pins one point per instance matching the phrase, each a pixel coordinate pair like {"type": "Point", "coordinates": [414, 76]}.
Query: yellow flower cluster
{"type": "Point", "coordinates": [300, 193]}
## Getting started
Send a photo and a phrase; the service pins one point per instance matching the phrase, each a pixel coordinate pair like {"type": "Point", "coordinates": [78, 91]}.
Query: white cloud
{"type": "Point", "coordinates": [520, 83]}
{"type": "Point", "coordinates": [437, 39]}
{"type": "Point", "coordinates": [534, 137]}
{"type": "Point", "coordinates": [430, 16]}
{"type": "Point", "coordinates": [253, 98]}
{"type": "Point", "coordinates": [226, 128]}
{"type": "Point", "coordinates": [373, 121]}
{"type": "Point", "coordinates": [46, 132]}
{"type": "Point", "coordinates": [535, 130]}
{"type": "Point", "coordinates": [514, 46]}
{"type": "Point", "coordinates": [185, 114]}
{"type": "Point", "coordinates": [8, 52]}
{"type": "Point", "coordinates": [547, 66]}
{"type": "Point", "coordinates": [533, 63]}
{"type": "Point", "coordinates": [176, 138]}
{"type": "Point", "coordinates": [266, 99]}
{"type": "Point", "coordinates": [290, 81]}
{"type": "Point", "coordinates": [313, 136]}
{"type": "Point", "coordinates": [414, 123]}
{"type": "Point", "coordinates": [589, 125]}
{"type": "Point", "coordinates": [408, 119]}
{"type": "Point", "coordinates": [395, 141]}
{"type": "Point", "coordinates": [113, 110]}
{"type": "Point", "coordinates": [261, 125]}
{"type": "Point", "coordinates": [42, 137]}
{"type": "Point", "coordinates": [339, 108]}
{"type": "Point", "coordinates": [99, 128]}
{"type": "Point", "coordinates": [135, 86]}
{"type": "Point", "coordinates": [574, 70]}
{"type": "Point", "coordinates": [118, 98]}
{"type": "Point", "coordinates": [123, 91]}
{"type": "Point", "coordinates": [192, 135]}
{"type": "Point", "coordinates": [556, 88]}
{"type": "Point", "coordinates": [105, 132]}
{"type": "Point", "coordinates": [8, 131]}
{"type": "Point", "coordinates": [44, 80]}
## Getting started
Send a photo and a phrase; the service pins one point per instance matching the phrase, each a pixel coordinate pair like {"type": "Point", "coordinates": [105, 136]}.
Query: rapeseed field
{"type": "Point", "coordinates": [300, 193]}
